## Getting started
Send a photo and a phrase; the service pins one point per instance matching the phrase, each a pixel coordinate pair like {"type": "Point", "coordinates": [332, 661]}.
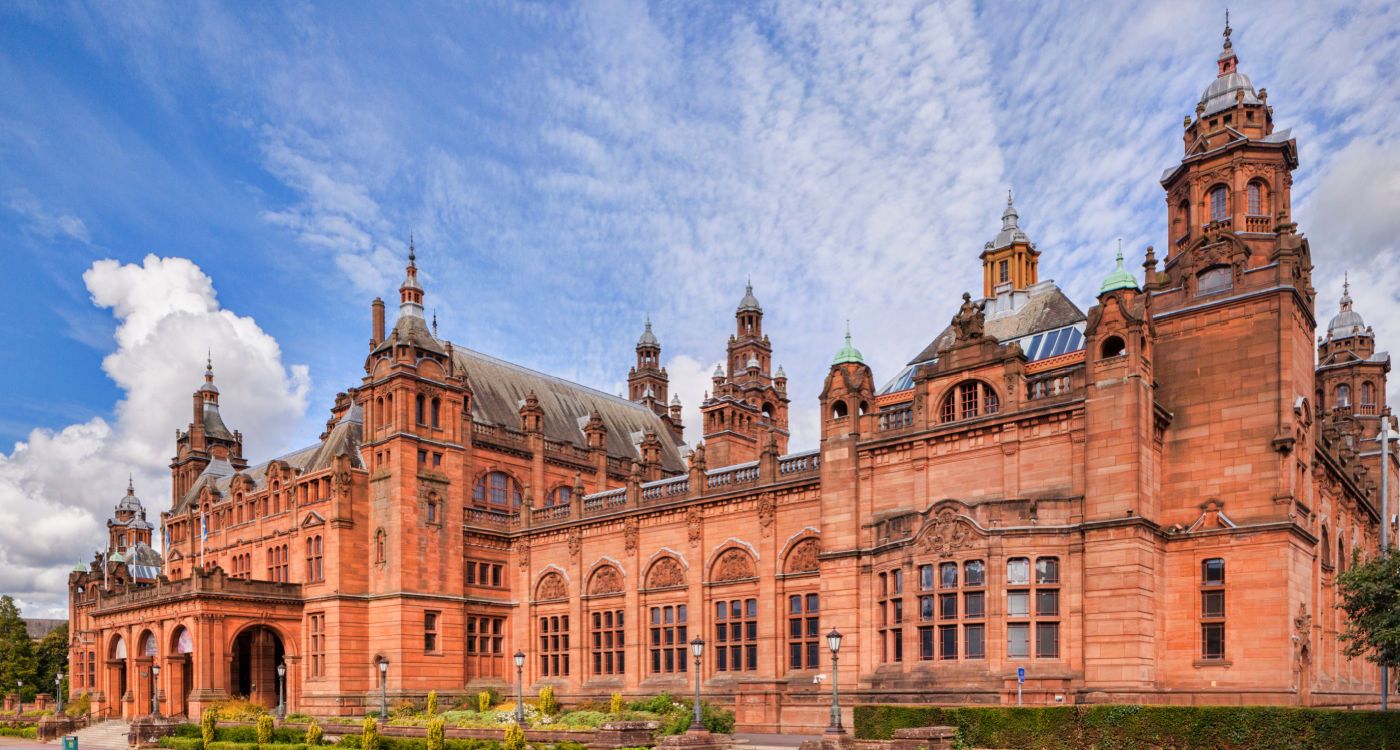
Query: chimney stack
{"type": "Point", "coordinates": [377, 336]}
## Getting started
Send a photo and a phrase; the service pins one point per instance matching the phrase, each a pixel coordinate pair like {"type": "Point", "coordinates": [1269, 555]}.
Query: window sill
{"type": "Point", "coordinates": [1200, 663]}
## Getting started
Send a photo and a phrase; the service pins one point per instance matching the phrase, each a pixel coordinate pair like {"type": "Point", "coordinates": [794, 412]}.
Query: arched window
{"type": "Point", "coordinates": [1343, 395]}
{"type": "Point", "coordinates": [436, 413]}
{"type": "Point", "coordinates": [1341, 554]}
{"type": "Point", "coordinates": [1113, 346]}
{"type": "Point", "coordinates": [381, 418]}
{"type": "Point", "coordinates": [1256, 199]}
{"type": "Point", "coordinates": [497, 488]}
{"type": "Point", "coordinates": [560, 495]}
{"type": "Point", "coordinates": [1213, 280]}
{"type": "Point", "coordinates": [839, 410]}
{"type": "Point", "coordinates": [379, 546]}
{"type": "Point", "coordinates": [969, 399]}
{"type": "Point", "coordinates": [1182, 224]}
{"type": "Point", "coordinates": [767, 410]}
{"type": "Point", "coordinates": [1368, 394]}
{"type": "Point", "coordinates": [418, 409]}
{"type": "Point", "coordinates": [1326, 546]}
{"type": "Point", "coordinates": [1217, 203]}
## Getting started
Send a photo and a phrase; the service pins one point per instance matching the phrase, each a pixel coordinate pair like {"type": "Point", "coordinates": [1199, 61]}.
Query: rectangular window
{"type": "Point", "coordinates": [1018, 641]}
{"type": "Point", "coordinates": [1003, 271]}
{"type": "Point", "coordinates": [891, 606]}
{"type": "Point", "coordinates": [1213, 608]}
{"type": "Point", "coordinates": [607, 642]}
{"type": "Point", "coordinates": [1018, 571]}
{"type": "Point", "coordinates": [804, 635]}
{"type": "Point", "coordinates": [947, 641]}
{"type": "Point", "coordinates": [947, 606]}
{"type": "Point", "coordinates": [948, 575]}
{"type": "Point", "coordinates": [430, 623]}
{"type": "Point", "coordinates": [668, 639]}
{"type": "Point", "coordinates": [736, 635]}
{"type": "Point", "coordinates": [925, 577]}
{"type": "Point", "coordinates": [974, 605]}
{"type": "Point", "coordinates": [317, 628]}
{"type": "Point", "coordinates": [1217, 204]}
{"type": "Point", "coordinates": [926, 643]}
{"type": "Point", "coordinates": [1047, 640]}
{"type": "Point", "coordinates": [925, 608]}
{"type": "Point", "coordinates": [1018, 604]}
{"type": "Point", "coordinates": [975, 641]}
{"type": "Point", "coordinates": [1047, 603]}
{"type": "Point", "coordinates": [554, 645]}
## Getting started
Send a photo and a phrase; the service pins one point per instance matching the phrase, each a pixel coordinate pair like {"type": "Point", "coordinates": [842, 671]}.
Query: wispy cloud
{"type": "Point", "coordinates": [41, 221]}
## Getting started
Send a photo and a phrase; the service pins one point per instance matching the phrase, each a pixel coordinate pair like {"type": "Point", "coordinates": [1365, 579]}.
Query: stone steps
{"type": "Point", "coordinates": [106, 735]}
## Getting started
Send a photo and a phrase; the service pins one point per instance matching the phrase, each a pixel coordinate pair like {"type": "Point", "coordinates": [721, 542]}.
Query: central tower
{"type": "Point", "coordinates": [751, 401]}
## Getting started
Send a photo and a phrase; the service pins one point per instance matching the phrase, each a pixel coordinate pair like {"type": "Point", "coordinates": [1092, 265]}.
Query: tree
{"type": "Point", "coordinates": [17, 660]}
{"type": "Point", "coordinates": [52, 657]}
{"type": "Point", "coordinates": [1371, 598]}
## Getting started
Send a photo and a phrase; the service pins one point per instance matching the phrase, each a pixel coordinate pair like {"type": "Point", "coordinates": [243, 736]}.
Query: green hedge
{"type": "Point", "coordinates": [1131, 727]}
{"type": "Point", "coordinates": [243, 735]}
{"type": "Point", "coordinates": [25, 732]}
{"type": "Point", "coordinates": [352, 741]}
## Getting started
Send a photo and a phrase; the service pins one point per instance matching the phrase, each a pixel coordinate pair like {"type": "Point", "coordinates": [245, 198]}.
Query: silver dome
{"type": "Point", "coordinates": [1347, 322]}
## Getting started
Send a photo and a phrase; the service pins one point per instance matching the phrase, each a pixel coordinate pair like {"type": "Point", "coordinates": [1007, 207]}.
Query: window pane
{"type": "Point", "coordinates": [1018, 604]}
{"type": "Point", "coordinates": [974, 637]}
{"type": "Point", "coordinates": [947, 606]}
{"type": "Point", "coordinates": [948, 642]}
{"type": "Point", "coordinates": [1018, 644]}
{"type": "Point", "coordinates": [1047, 570]}
{"type": "Point", "coordinates": [1047, 640]}
{"type": "Point", "coordinates": [1213, 640]}
{"type": "Point", "coordinates": [812, 602]}
{"type": "Point", "coordinates": [974, 605]}
{"type": "Point", "coordinates": [1047, 603]}
{"type": "Point", "coordinates": [925, 577]}
{"type": "Point", "coordinates": [795, 605]}
{"type": "Point", "coordinates": [974, 573]}
{"type": "Point", "coordinates": [925, 608]}
{"type": "Point", "coordinates": [948, 575]}
{"type": "Point", "coordinates": [925, 643]}
{"type": "Point", "coordinates": [1018, 571]}
{"type": "Point", "coordinates": [1213, 603]}
{"type": "Point", "coordinates": [1213, 571]}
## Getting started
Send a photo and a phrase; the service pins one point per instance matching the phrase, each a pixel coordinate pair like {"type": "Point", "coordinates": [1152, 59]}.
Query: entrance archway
{"type": "Point", "coordinates": [253, 672]}
{"type": "Point", "coordinates": [181, 666]}
{"type": "Point", "coordinates": [116, 677]}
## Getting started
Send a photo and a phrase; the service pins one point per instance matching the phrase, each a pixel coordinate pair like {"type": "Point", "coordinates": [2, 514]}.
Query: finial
{"type": "Point", "coordinates": [1008, 196]}
{"type": "Point", "coordinates": [848, 331]}
{"type": "Point", "coordinates": [411, 256]}
{"type": "Point", "coordinates": [1120, 252]}
{"type": "Point", "coordinates": [434, 322]}
{"type": "Point", "coordinates": [130, 485]}
{"type": "Point", "coordinates": [1227, 27]}
{"type": "Point", "coordinates": [748, 283]}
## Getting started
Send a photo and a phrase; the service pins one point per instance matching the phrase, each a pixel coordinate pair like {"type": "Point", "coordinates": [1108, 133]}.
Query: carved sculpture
{"type": "Point", "coordinates": [803, 557]}
{"type": "Point", "coordinates": [945, 534]}
{"type": "Point", "coordinates": [733, 565]}
{"type": "Point", "coordinates": [606, 580]}
{"type": "Point", "coordinates": [665, 572]}
{"type": "Point", "coordinates": [551, 586]}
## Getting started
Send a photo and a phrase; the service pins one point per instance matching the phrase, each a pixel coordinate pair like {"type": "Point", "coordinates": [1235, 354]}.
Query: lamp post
{"type": "Point", "coordinates": [833, 642]}
{"type": "Point", "coordinates": [58, 691]}
{"type": "Point", "coordinates": [281, 690]}
{"type": "Point", "coordinates": [1385, 436]}
{"type": "Point", "coordinates": [697, 648]}
{"type": "Point", "coordinates": [155, 690]}
{"type": "Point", "coordinates": [383, 689]}
{"type": "Point", "coordinates": [19, 694]}
{"type": "Point", "coordinates": [520, 688]}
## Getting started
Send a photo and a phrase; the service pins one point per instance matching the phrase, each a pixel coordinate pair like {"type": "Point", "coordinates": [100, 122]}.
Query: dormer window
{"type": "Point", "coordinates": [1213, 280]}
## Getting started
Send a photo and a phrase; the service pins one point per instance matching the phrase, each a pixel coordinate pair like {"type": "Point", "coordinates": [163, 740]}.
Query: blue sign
{"type": "Point", "coordinates": [1020, 674]}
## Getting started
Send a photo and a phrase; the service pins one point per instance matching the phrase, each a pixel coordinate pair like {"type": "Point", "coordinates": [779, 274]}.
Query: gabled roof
{"type": "Point", "coordinates": [500, 387]}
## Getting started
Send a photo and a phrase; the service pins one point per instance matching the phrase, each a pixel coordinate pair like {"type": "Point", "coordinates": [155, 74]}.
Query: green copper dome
{"type": "Point", "coordinates": [848, 353]}
{"type": "Point", "coordinates": [1119, 279]}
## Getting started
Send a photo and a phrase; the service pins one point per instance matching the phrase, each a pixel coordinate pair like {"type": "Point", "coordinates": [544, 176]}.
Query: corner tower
{"type": "Point", "coordinates": [647, 381]}
{"type": "Point", "coordinates": [207, 440]}
{"type": "Point", "coordinates": [750, 400]}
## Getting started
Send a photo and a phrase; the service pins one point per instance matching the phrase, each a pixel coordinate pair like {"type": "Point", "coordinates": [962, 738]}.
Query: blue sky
{"type": "Point", "coordinates": [568, 169]}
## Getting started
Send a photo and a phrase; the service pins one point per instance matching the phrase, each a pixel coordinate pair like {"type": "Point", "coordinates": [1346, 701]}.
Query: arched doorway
{"type": "Point", "coordinates": [116, 675]}
{"type": "Point", "coordinates": [147, 656]}
{"type": "Point", "coordinates": [181, 666]}
{"type": "Point", "coordinates": [253, 672]}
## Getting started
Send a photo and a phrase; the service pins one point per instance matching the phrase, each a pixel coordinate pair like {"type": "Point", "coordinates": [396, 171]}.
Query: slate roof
{"type": "Point", "coordinates": [500, 387]}
{"type": "Point", "coordinates": [1046, 325]}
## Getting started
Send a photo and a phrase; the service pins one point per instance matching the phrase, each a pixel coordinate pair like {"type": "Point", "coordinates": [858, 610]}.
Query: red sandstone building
{"type": "Point", "coordinates": [1147, 503]}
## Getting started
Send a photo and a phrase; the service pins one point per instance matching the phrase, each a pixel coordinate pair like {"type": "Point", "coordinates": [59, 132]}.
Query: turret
{"type": "Point", "coordinates": [647, 381]}
{"type": "Point", "coordinates": [746, 402]}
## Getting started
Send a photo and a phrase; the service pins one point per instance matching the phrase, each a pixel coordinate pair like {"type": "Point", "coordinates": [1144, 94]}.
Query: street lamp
{"type": "Point", "coordinates": [58, 691]}
{"type": "Point", "coordinates": [1384, 438]}
{"type": "Point", "coordinates": [833, 642]}
{"type": "Point", "coordinates": [520, 688]}
{"type": "Point", "coordinates": [19, 694]}
{"type": "Point", "coordinates": [155, 690]}
{"type": "Point", "coordinates": [697, 647]}
{"type": "Point", "coordinates": [281, 691]}
{"type": "Point", "coordinates": [383, 689]}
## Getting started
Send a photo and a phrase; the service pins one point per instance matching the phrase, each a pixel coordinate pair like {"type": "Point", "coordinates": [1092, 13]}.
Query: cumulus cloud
{"type": "Point", "coordinates": [58, 485]}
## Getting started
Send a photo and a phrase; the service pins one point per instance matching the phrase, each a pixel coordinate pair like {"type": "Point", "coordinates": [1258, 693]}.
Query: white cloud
{"type": "Point", "coordinates": [57, 486]}
{"type": "Point", "coordinates": [43, 223]}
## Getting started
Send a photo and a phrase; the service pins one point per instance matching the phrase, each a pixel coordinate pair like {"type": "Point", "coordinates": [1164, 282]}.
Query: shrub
{"type": "Point", "coordinates": [483, 701]}
{"type": "Point", "coordinates": [548, 705]}
{"type": "Point", "coordinates": [403, 710]}
{"type": "Point", "coordinates": [249, 735]}
{"type": "Point", "coordinates": [238, 710]}
{"type": "Point", "coordinates": [80, 706]}
{"type": "Point", "coordinates": [264, 730]}
{"type": "Point", "coordinates": [182, 743]}
{"type": "Point", "coordinates": [436, 733]}
{"type": "Point", "coordinates": [432, 702]}
{"type": "Point", "coordinates": [615, 704]}
{"type": "Point", "coordinates": [313, 733]}
{"type": "Point", "coordinates": [28, 733]}
{"type": "Point", "coordinates": [515, 737]}
{"type": "Point", "coordinates": [369, 739]}
{"type": "Point", "coordinates": [207, 723]}
{"type": "Point", "coordinates": [252, 746]}
{"type": "Point", "coordinates": [1143, 727]}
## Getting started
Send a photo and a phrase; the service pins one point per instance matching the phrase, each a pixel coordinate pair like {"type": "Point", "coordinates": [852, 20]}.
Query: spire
{"type": "Point", "coordinates": [1347, 322]}
{"type": "Point", "coordinates": [1227, 60]}
{"type": "Point", "coordinates": [411, 257]}
{"type": "Point", "coordinates": [434, 323]}
{"type": "Point", "coordinates": [411, 292]}
{"type": "Point", "coordinates": [209, 386]}
{"type": "Point", "coordinates": [648, 338]}
{"type": "Point", "coordinates": [1346, 291]}
{"type": "Point", "coordinates": [1009, 216]}
{"type": "Point", "coordinates": [749, 302]}
{"type": "Point", "coordinates": [848, 353]}
{"type": "Point", "coordinates": [1120, 278]}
